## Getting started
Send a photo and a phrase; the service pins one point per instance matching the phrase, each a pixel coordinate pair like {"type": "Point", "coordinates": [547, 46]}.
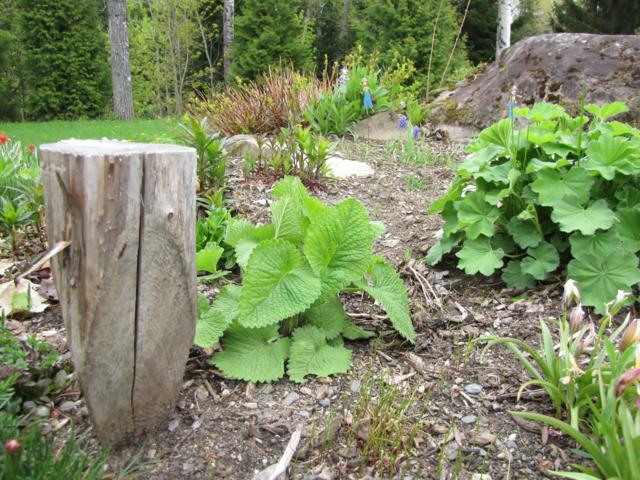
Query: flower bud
{"type": "Point", "coordinates": [631, 336]}
{"type": "Point", "coordinates": [626, 380]}
{"type": "Point", "coordinates": [571, 293]}
{"type": "Point", "coordinates": [13, 447]}
{"type": "Point", "coordinates": [576, 318]}
{"type": "Point", "coordinates": [614, 305]}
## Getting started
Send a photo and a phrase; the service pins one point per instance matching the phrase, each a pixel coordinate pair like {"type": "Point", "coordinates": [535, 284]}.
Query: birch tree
{"type": "Point", "coordinates": [120, 64]}
{"type": "Point", "coordinates": [505, 18]}
{"type": "Point", "coordinates": [227, 35]}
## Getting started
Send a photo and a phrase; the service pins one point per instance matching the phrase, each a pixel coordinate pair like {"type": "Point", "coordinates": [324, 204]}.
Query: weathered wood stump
{"type": "Point", "coordinates": [127, 283]}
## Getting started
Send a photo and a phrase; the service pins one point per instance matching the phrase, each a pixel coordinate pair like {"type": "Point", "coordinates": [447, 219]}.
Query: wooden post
{"type": "Point", "coordinates": [127, 283]}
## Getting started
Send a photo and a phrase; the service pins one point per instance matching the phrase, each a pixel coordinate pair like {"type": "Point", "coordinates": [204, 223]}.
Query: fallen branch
{"type": "Point", "coordinates": [274, 471]}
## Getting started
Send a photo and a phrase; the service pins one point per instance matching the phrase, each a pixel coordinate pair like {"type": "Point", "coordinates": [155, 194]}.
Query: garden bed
{"type": "Point", "coordinates": [455, 421]}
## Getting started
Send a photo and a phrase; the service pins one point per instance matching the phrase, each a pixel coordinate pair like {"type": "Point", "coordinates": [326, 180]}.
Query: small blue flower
{"type": "Point", "coordinates": [404, 121]}
{"type": "Point", "coordinates": [416, 132]}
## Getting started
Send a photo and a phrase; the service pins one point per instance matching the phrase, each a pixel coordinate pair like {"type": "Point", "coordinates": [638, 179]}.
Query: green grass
{"type": "Point", "coordinates": [157, 130]}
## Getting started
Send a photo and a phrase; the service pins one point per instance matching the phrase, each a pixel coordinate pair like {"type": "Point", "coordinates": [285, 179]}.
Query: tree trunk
{"type": "Point", "coordinates": [308, 14]}
{"type": "Point", "coordinates": [120, 65]}
{"type": "Point", "coordinates": [505, 13]}
{"type": "Point", "coordinates": [227, 32]}
{"type": "Point", "coordinates": [127, 283]}
{"type": "Point", "coordinates": [344, 20]}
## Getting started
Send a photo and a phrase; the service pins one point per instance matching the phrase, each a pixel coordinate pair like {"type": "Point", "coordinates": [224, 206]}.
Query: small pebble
{"type": "Point", "coordinates": [324, 402]}
{"type": "Point", "coordinates": [251, 405]}
{"type": "Point", "coordinates": [290, 398]}
{"type": "Point", "coordinates": [481, 476]}
{"type": "Point", "coordinates": [188, 467]}
{"type": "Point", "coordinates": [42, 411]}
{"type": "Point", "coordinates": [469, 419]}
{"type": "Point", "coordinates": [473, 389]}
{"type": "Point", "coordinates": [355, 386]}
{"type": "Point", "coordinates": [67, 406]}
{"type": "Point", "coordinates": [28, 406]}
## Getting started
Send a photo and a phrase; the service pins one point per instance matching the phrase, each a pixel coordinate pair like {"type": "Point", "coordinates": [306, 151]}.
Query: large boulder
{"type": "Point", "coordinates": [554, 68]}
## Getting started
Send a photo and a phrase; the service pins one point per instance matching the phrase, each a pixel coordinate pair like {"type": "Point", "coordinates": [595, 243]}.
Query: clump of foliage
{"type": "Point", "coordinates": [335, 113]}
{"type": "Point", "coordinates": [213, 255]}
{"type": "Point", "coordinates": [65, 66]}
{"type": "Point", "coordinates": [590, 383]}
{"type": "Point", "coordinates": [558, 190]}
{"type": "Point", "coordinates": [609, 17]}
{"type": "Point", "coordinates": [209, 149]}
{"type": "Point", "coordinates": [288, 308]}
{"type": "Point", "coordinates": [264, 106]}
{"type": "Point", "coordinates": [268, 32]}
{"type": "Point", "coordinates": [21, 195]}
{"type": "Point", "coordinates": [296, 151]}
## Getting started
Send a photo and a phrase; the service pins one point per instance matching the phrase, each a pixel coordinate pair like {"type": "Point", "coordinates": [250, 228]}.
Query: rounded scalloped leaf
{"type": "Point", "coordinates": [552, 185]}
{"type": "Point", "coordinates": [609, 155]}
{"type": "Point", "coordinates": [388, 288]}
{"type": "Point", "coordinates": [338, 245]}
{"type": "Point", "coordinates": [442, 247]}
{"type": "Point", "coordinates": [600, 277]}
{"type": "Point", "coordinates": [572, 216]}
{"type": "Point", "coordinates": [628, 228]}
{"type": "Point", "coordinates": [252, 354]}
{"type": "Point", "coordinates": [479, 256]}
{"type": "Point", "coordinates": [477, 215]}
{"type": "Point", "coordinates": [542, 260]}
{"type": "Point", "coordinates": [514, 277]}
{"type": "Point", "coordinates": [524, 232]}
{"type": "Point", "coordinates": [278, 283]}
{"type": "Point", "coordinates": [599, 244]}
{"type": "Point", "coordinates": [310, 354]}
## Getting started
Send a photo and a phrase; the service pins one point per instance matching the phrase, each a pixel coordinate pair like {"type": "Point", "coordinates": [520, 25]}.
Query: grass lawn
{"type": "Point", "coordinates": [156, 130]}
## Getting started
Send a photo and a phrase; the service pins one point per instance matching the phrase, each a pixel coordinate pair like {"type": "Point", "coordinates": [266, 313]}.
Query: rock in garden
{"type": "Point", "coordinates": [468, 419]}
{"type": "Point", "coordinates": [383, 126]}
{"type": "Point", "coordinates": [290, 398]}
{"type": "Point", "coordinates": [241, 144]}
{"type": "Point", "coordinates": [343, 168]}
{"type": "Point", "coordinates": [67, 406]}
{"type": "Point", "coordinates": [549, 68]}
{"type": "Point", "coordinates": [473, 389]}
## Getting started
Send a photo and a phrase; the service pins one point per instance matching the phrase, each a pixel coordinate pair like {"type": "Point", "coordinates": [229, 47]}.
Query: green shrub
{"type": "Point", "coordinates": [287, 307]}
{"type": "Point", "coordinates": [588, 380]}
{"type": "Point", "coordinates": [294, 151]}
{"type": "Point", "coordinates": [558, 190]}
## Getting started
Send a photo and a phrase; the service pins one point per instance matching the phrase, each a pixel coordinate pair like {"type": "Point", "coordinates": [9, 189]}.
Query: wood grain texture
{"type": "Point", "coordinates": [107, 279]}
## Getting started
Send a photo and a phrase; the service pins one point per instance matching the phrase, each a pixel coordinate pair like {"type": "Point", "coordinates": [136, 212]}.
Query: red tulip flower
{"type": "Point", "coordinates": [32, 147]}
{"type": "Point", "coordinates": [3, 138]}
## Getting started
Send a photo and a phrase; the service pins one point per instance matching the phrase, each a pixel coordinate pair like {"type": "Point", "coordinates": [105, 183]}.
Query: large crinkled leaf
{"type": "Point", "coordinates": [252, 354]}
{"type": "Point", "coordinates": [289, 186]}
{"type": "Point", "coordinates": [600, 278]}
{"type": "Point", "coordinates": [311, 355]}
{"type": "Point", "coordinates": [609, 155]}
{"type": "Point", "coordinates": [288, 219]}
{"type": "Point", "coordinates": [541, 111]}
{"type": "Point", "coordinates": [278, 283]}
{"type": "Point", "coordinates": [607, 110]}
{"type": "Point", "coordinates": [477, 215]}
{"type": "Point", "coordinates": [213, 320]}
{"type": "Point", "coordinates": [552, 185]}
{"type": "Point", "coordinates": [328, 317]}
{"type": "Point", "coordinates": [628, 228]}
{"type": "Point", "coordinates": [479, 255]}
{"type": "Point", "coordinates": [442, 247]}
{"type": "Point", "coordinates": [351, 331]}
{"type": "Point", "coordinates": [207, 258]}
{"type": "Point", "coordinates": [244, 236]}
{"type": "Point", "coordinates": [388, 288]}
{"type": "Point", "coordinates": [514, 277]}
{"type": "Point", "coordinates": [499, 133]}
{"type": "Point", "coordinates": [600, 244]}
{"type": "Point", "coordinates": [525, 232]}
{"type": "Point", "coordinates": [338, 245]}
{"type": "Point", "coordinates": [572, 216]}
{"type": "Point", "coordinates": [542, 260]}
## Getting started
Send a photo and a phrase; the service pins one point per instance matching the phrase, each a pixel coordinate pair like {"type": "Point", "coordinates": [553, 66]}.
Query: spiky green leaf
{"type": "Point", "coordinates": [311, 355]}
{"type": "Point", "coordinates": [278, 283]}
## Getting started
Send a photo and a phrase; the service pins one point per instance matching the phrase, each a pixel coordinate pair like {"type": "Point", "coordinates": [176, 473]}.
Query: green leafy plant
{"type": "Point", "coordinates": [415, 112]}
{"type": "Point", "coordinates": [558, 191]}
{"type": "Point", "coordinates": [332, 114]}
{"type": "Point", "coordinates": [294, 151]}
{"type": "Point", "coordinates": [288, 308]}
{"type": "Point", "coordinates": [587, 379]}
{"type": "Point", "coordinates": [209, 148]}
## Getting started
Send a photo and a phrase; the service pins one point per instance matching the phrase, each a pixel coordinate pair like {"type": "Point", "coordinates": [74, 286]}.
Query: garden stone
{"type": "Point", "coordinates": [342, 168]}
{"type": "Point", "coordinates": [473, 389]}
{"type": "Point", "coordinates": [469, 419]}
{"type": "Point", "coordinates": [67, 406]}
{"type": "Point", "coordinates": [290, 398]}
{"type": "Point", "coordinates": [383, 126]}
{"type": "Point", "coordinates": [548, 68]}
{"type": "Point", "coordinates": [42, 411]}
{"type": "Point", "coordinates": [239, 145]}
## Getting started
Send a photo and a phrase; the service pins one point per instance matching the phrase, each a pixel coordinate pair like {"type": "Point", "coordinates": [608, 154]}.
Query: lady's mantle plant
{"type": "Point", "coordinates": [287, 309]}
{"type": "Point", "coordinates": [558, 190]}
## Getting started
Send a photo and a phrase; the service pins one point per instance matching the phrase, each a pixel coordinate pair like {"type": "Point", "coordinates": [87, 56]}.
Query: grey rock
{"type": "Point", "coordinates": [354, 386]}
{"type": "Point", "coordinates": [28, 406]}
{"type": "Point", "coordinates": [290, 398]}
{"type": "Point", "coordinates": [241, 145]}
{"type": "Point", "coordinates": [324, 402]}
{"type": "Point", "coordinates": [473, 389]}
{"type": "Point", "coordinates": [468, 419]}
{"type": "Point", "coordinates": [480, 476]}
{"type": "Point", "coordinates": [67, 406]}
{"type": "Point", "coordinates": [42, 411]}
{"type": "Point", "coordinates": [342, 168]}
{"type": "Point", "coordinates": [551, 68]}
{"type": "Point", "coordinates": [188, 467]}
{"type": "Point", "coordinates": [383, 126]}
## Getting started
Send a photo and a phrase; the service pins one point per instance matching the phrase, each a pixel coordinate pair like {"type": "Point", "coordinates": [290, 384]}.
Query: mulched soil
{"type": "Point", "coordinates": [226, 429]}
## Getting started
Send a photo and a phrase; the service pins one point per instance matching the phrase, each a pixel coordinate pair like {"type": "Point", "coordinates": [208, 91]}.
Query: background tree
{"type": "Point", "coordinates": [227, 28]}
{"type": "Point", "coordinates": [120, 66]}
{"type": "Point", "coordinates": [480, 28]}
{"type": "Point", "coordinates": [505, 17]}
{"type": "Point", "coordinates": [9, 62]}
{"type": "Point", "coordinates": [596, 16]}
{"type": "Point", "coordinates": [266, 33]}
{"type": "Point", "coordinates": [65, 63]}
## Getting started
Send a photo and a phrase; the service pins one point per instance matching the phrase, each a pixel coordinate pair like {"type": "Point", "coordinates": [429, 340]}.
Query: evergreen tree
{"type": "Point", "coordinates": [267, 32]}
{"type": "Point", "coordinates": [596, 16]}
{"type": "Point", "coordinates": [65, 59]}
{"type": "Point", "coordinates": [480, 29]}
{"type": "Point", "coordinates": [404, 28]}
{"type": "Point", "coordinates": [9, 57]}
